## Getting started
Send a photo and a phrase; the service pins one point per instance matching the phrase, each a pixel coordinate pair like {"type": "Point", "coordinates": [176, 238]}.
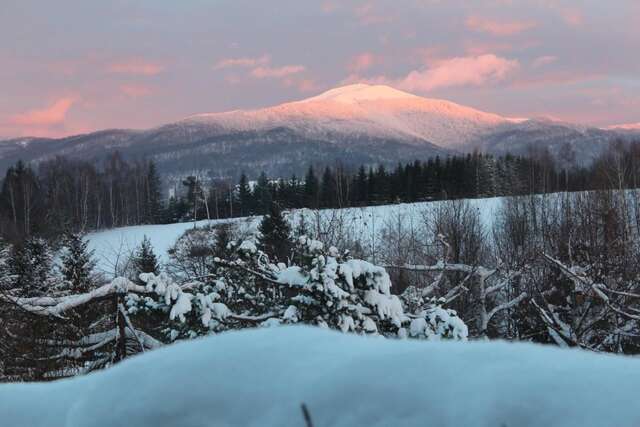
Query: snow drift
{"type": "Point", "coordinates": [262, 377]}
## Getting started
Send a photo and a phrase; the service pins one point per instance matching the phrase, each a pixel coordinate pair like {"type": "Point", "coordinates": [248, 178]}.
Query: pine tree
{"type": "Point", "coordinates": [275, 234]}
{"type": "Point", "coordinates": [77, 263]}
{"type": "Point", "coordinates": [361, 186]}
{"type": "Point", "coordinates": [311, 189]}
{"type": "Point", "coordinates": [154, 197]}
{"type": "Point", "coordinates": [144, 259]}
{"type": "Point", "coordinates": [223, 239]}
{"type": "Point", "coordinates": [195, 197]}
{"type": "Point", "coordinates": [30, 265]}
{"type": "Point", "coordinates": [244, 194]}
{"type": "Point", "coordinates": [262, 194]}
{"type": "Point", "coordinates": [327, 189]}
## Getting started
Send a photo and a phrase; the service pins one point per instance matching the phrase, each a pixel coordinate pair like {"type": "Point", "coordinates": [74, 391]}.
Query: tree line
{"type": "Point", "coordinates": [72, 195]}
{"type": "Point", "coordinates": [80, 196]}
{"type": "Point", "coordinates": [467, 176]}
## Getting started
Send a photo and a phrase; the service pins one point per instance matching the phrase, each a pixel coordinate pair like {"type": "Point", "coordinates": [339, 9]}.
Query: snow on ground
{"type": "Point", "coordinates": [365, 223]}
{"type": "Point", "coordinates": [112, 246]}
{"type": "Point", "coordinates": [261, 378]}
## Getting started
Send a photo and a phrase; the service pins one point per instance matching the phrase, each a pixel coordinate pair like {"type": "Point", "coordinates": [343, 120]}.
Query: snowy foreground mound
{"type": "Point", "coordinates": [261, 378]}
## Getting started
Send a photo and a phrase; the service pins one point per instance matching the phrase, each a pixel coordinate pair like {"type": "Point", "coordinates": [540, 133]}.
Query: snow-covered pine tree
{"type": "Point", "coordinates": [334, 291]}
{"type": "Point", "coordinates": [77, 263]}
{"type": "Point", "coordinates": [275, 234]}
{"type": "Point", "coordinates": [144, 259]}
{"type": "Point", "coordinates": [30, 266]}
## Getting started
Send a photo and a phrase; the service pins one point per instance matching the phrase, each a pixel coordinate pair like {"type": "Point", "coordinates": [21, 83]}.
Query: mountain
{"type": "Point", "coordinates": [355, 124]}
{"type": "Point", "coordinates": [365, 110]}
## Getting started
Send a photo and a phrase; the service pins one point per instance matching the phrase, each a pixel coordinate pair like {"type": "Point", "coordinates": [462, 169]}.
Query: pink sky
{"type": "Point", "coordinates": [73, 66]}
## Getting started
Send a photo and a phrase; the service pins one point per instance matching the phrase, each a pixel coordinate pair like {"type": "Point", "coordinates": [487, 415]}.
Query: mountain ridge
{"type": "Point", "coordinates": [354, 124]}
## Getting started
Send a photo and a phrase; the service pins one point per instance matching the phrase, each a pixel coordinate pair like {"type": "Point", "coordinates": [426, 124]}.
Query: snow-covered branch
{"type": "Point", "coordinates": [57, 306]}
{"type": "Point", "coordinates": [507, 305]}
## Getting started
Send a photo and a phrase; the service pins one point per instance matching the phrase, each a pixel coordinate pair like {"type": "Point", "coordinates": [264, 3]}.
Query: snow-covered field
{"type": "Point", "coordinates": [365, 224]}
{"type": "Point", "coordinates": [262, 377]}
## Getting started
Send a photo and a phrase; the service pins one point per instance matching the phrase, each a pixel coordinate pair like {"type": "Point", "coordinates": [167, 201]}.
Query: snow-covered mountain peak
{"type": "Point", "coordinates": [377, 111]}
{"type": "Point", "coordinates": [355, 93]}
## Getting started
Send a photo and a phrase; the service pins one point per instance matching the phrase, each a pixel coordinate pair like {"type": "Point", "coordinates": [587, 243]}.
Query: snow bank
{"type": "Point", "coordinates": [261, 377]}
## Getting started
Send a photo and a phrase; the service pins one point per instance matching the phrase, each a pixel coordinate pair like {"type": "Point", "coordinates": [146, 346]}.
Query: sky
{"type": "Point", "coordinates": [74, 66]}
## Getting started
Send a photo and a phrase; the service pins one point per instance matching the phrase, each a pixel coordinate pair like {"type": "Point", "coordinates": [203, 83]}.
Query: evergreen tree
{"type": "Point", "coordinates": [361, 195]}
{"type": "Point", "coordinates": [77, 263]}
{"type": "Point", "coordinates": [295, 194]}
{"type": "Point", "coordinates": [327, 189]}
{"type": "Point", "coordinates": [275, 234]}
{"type": "Point", "coordinates": [382, 187]}
{"type": "Point", "coordinates": [311, 189]}
{"type": "Point", "coordinates": [30, 265]}
{"type": "Point", "coordinates": [144, 259]}
{"type": "Point", "coordinates": [244, 194]}
{"type": "Point", "coordinates": [223, 240]}
{"type": "Point", "coordinates": [154, 196]}
{"type": "Point", "coordinates": [195, 198]}
{"type": "Point", "coordinates": [262, 194]}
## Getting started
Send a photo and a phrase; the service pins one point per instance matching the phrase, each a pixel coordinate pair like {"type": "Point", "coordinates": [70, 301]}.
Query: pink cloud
{"type": "Point", "coordinates": [362, 62]}
{"type": "Point", "coordinates": [498, 28]}
{"type": "Point", "coordinates": [459, 71]}
{"type": "Point", "coordinates": [136, 67]}
{"type": "Point", "coordinates": [50, 116]}
{"type": "Point", "coordinates": [245, 62]}
{"type": "Point", "coordinates": [135, 90]}
{"type": "Point", "coordinates": [541, 61]}
{"type": "Point", "coordinates": [276, 72]}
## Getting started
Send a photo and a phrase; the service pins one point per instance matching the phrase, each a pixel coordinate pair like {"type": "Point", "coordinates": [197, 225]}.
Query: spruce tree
{"type": "Point", "coordinates": [262, 194]}
{"type": "Point", "coordinates": [244, 194]}
{"type": "Point", "coordinates": [77, 263]}
{"type": "Point", "coordinates": [361, 186]}
{"type": "Point", "coordinates": [154, 196]}
{"type": "Point", "coordinates": [223, 239]}
{"type": "Point", "coordinates": [327, 189]}
{"type": "Point", "coordinates": [275, 234]}
{"type": "Point", "coordinates": [311, 189]}
{"type": "Point", "coordinates": [144, 259]}
{"type": "Point", "coordinates": [30, 266]}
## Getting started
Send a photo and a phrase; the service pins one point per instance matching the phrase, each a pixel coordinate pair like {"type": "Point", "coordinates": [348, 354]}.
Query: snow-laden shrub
{"type": "Point", "coordinates": [323, 287]}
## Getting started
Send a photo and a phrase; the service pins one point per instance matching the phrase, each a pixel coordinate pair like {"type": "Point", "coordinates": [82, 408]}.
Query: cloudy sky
{"type": "Point", "coordinates": [71, 66]}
